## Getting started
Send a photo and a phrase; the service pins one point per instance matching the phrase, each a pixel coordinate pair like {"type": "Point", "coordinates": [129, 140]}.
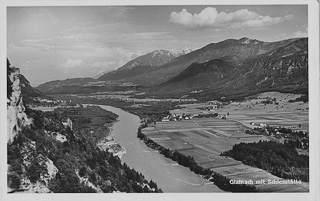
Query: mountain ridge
{"type": "Point", "coordinates": [284, 68]}
{"type": "Point", "coordinates": [204, 54]}
{"type": "Point", "coordinates": [243, 55]}
{"type": "Point", "coordinates": [139, 65]}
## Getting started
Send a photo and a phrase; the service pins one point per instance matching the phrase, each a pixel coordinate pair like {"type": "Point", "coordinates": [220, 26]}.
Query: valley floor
{"type": "Point", "coordinates": [205, 138]}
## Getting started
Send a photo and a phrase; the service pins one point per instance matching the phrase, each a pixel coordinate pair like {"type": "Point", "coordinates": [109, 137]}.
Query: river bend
{"type": "Point", "coordinates": [168, 175]}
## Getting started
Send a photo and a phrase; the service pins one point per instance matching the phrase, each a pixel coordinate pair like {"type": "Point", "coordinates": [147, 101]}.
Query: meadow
{"type": "Point", "coordinates": [206, 138]}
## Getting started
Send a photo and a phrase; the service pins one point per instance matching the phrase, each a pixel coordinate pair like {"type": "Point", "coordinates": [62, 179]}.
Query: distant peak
{"type": "Point", "coordinates": [161, 52]}
{"type": "Point", "coordinates": [157, 51]}
{"type": "Point", "coordinates": [184, 51]}
{"type": "Point", "coordinates": [246, 40]}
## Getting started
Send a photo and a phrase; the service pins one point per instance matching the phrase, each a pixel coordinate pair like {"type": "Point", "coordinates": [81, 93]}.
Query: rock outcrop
{"type": "Point", "coordinates": [16, 117]}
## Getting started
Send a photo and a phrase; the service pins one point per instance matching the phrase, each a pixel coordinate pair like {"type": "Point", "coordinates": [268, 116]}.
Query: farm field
{"type": "Point", "coordinates": [285, 114]}
{"type": "Point", "coordinates": [205, 138]}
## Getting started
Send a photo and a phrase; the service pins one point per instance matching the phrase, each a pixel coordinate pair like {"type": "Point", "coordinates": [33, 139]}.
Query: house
{"type": "Point", "coordinates": [165, 119]}
{"type": "Point", "coordinates": [263, 125]}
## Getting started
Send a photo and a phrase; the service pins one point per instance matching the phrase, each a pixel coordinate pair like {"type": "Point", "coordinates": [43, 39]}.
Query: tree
{"type": "Point", "coordinates": [82, 171]}
{"type": "Point", "coordinates": [34, 171]}
{"type": "Point", "coordinates": [13, 181]}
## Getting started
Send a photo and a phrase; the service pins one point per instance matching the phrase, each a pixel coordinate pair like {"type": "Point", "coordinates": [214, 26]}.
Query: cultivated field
{"type": "Point", "coordinates": [205, 138]}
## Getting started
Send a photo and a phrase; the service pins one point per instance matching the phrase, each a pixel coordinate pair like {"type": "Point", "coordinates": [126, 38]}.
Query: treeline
{"type": "Point", "coordinates": [84, 99]}
{"type": "Point", "coordinates": [89, 114]}
{"type": "Point", "coordinates": [189, 162]}
{"type": "Point", "coordinates": [210, 115]}
{"type": "Point", "coordinates": [304, 98]}
{"type": "Point", "coordinates": [293, 138]}
{"type": "Point", "coordinates": [100, 167]}
{"type": "Point", "coordinates": [155, 110]}
{"type": "Point", "coordinates": [279, 159]}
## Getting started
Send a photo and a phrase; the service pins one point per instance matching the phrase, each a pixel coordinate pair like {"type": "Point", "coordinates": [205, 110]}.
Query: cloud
{"type": "Point", "coordinates": [52, 18]}
{"type": "Point", "coordinates": [134, 55]}
{"type": "Point", "coordinates": [71, 63]}
{"type": "Point", "coordinates": [40, 44]}
{"type": "Point", "coordinates": [105, 64]}
{"type": "Point", "coordinates": [134, 39]}
{"type": "Point", "coordinates": [300, 34]}
{"type": "Point", "coordinates": [118, 11]}
{"type": "Point", "coordinates": [150, 35]}
{"type": "Point", "coordinates": [211, 18]}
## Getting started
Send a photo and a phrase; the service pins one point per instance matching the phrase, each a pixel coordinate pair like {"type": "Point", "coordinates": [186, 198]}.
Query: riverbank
{"type": "Point", "coordinates": [188, 161]}
{"type": "Point", "coordinates": [168, 175]}
{"type": "Point", "coordinates": [109, 144]}
{"type": "Point", "coordinates": [72, 164]}
{"type": "Point", "coordinates": [205, 139]}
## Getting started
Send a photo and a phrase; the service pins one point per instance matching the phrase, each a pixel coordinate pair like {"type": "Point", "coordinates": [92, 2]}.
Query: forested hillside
{"type": "Point", "coordinates": [276, 158]}
{"type": "Point", "coordinates": [57, 151]}
{"type": "Point", "coordinates": [77, 165]}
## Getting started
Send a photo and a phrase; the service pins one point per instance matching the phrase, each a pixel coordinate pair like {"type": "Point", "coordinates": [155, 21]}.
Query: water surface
{"type": "Point", "coordinates": [168, 175]}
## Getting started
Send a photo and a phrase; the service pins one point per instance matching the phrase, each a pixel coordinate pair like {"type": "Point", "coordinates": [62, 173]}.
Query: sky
{"type": "Point", "coordinates": [56, 43]}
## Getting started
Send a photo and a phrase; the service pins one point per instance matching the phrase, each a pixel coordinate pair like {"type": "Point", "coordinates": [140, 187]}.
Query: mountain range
{"type": "Point", "coordinates": [218, 69]}
{"type": "Point", "coordinates": [140, 65]}
{"type": "Point", "coordinates": [284, 68]}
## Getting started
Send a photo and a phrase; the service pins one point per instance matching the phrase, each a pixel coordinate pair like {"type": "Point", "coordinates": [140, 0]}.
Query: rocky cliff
{"type": "Point", "coordinates": [49, 152]}
{"type": "Point", "coordinates": [16, 120]}
{"type": "Point", "coordinates": [16, 117]}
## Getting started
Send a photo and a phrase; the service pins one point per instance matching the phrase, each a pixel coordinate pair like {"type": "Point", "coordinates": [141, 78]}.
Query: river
{"type": "Point", "coordinates": [168, 175]}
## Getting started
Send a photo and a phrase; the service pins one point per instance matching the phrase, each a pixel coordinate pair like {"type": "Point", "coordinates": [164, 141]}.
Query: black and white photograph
{"type": "Point", "coordinates": [185, 99]}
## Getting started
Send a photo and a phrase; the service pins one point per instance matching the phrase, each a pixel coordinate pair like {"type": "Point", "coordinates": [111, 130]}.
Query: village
{"type": "Point", "coordinates": [206, 130]}
{"type": "Point", "coordinates": [269, 112]}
